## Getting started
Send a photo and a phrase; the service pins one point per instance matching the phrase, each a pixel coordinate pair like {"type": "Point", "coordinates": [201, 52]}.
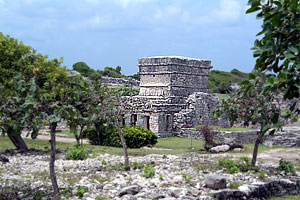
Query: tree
{"type": "Point", "coordinates": [15, 57]}
{"type": "Point", "coordinates": [83, 69]}
{"type": "Point", "coordinates": [278, 49]}
{"type": "Point", "coordinates": [118, 69]}
{"type": "Point", "coordinates": [79, 98]}
{"type": "Point", "coordinates": [115, 116]}
{"type": "Point", "coordinates": [111, 72]}
{"type": "Point", "coordinates": [18, 110]}
{"type": "Point", "coordinates": [252, 105]}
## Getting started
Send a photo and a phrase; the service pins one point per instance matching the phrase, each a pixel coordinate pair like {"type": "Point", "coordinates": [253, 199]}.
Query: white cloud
{"type": "Point", "coordinates": [93, 22]}
{"type": "Point", "coordinates": [125, 3]}
{"type": "Point", "coordinates": [93, 1]}
{"type": "Point", "coordinates": [229, 10]}
{"type": "Point", "coordinates": [167, 12]}
{"type": "Point", "coordinates": [2, 2]}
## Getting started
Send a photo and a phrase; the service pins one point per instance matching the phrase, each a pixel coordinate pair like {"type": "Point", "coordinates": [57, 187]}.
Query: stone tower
{"type": "Point", "coordinates": [173, 76]}
{"type": "Point", "coordinates": [173, 93]}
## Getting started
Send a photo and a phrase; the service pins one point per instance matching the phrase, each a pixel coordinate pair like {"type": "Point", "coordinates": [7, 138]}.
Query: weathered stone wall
{"type": "Point", "coordinates": [289, 137]}
{"type": "Point", "coordinates": [261, 191]}
{"type": "Point", "coordinates": [173, 76]}
{"type": "Point", "coordinates": [120, 81]}
{"type": "Point", "coordinates": [199, 107]}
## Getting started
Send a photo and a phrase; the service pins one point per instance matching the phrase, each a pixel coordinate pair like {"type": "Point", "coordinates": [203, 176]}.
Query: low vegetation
{"type": "Point", "coordinates": [77, 153]}
{"type": "Point", "coordinates": [136, 137]}
{"type": "Point", "coordinates": [242, 164]}
{"type": "Point", "coordinates": [220, 81]}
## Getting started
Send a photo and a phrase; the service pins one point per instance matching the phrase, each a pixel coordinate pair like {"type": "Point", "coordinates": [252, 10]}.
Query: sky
{"type": "Point", "coordinates": [118, 32]}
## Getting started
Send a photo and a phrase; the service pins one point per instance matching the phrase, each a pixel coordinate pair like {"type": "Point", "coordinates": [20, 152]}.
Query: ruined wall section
{"type": "Point", "coordinates": [199, 107]}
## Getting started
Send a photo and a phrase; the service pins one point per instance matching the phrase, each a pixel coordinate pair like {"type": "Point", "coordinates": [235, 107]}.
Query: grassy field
{"type": "Point", "coordinates": [232, 129]}
{"type": "Point", "coordinates": [169, 145]}
{"type": "Point", "coordinates": [287, 197]}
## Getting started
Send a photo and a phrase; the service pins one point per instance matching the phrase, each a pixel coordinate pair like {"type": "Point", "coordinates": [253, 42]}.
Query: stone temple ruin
{"type": "Point", "coordinates": [174, 93]}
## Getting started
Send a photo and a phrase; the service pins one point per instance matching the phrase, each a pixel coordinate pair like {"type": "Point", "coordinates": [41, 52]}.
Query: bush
{"type": "Point", "coordinates": [286, 166]}
{"type": "Point", "coordinates": [81, 190]}
{"type": "Point", "coordinates": [234, 166]}
{"type": "Point", "coordinates": [135, 137]}
{"type": "Point", "coordinates": [91, 134]}
{"type": "Point", "coordinates": [77, 153]}
{"type": "Point", "coordinates": [149, 172]}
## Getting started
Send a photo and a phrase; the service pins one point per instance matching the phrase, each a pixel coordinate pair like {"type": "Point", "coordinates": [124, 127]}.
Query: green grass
{"type": "Point", "coordinates": [261, 148]}
{"type": "Point", "coordinates": [287, 197]}
{"type": "Point", "coordinates": [178, 143]}
{"type": "Point", "coordinates": [170, 145]}
{"type": "Point", "coordinates": [232, 129]}
{"type": "Point", "coordinates": [45, 145]}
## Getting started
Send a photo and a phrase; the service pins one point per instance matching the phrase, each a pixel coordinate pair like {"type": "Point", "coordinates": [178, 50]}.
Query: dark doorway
{"type": "Point", "coordinates": [147, 122]}
{"type": "Point", "coordinates": [133, 120]}
{"type": "Point", "coordinates": [168, 123]}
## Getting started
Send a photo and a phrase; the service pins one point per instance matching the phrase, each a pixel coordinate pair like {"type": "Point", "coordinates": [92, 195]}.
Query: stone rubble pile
{"type": "Point", "coordinates": [175, 177]}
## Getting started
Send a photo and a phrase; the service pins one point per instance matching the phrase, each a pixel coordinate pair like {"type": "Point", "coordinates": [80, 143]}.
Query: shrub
{"type": "Point", "coordinates": [234, 185]}
{"type": "Point", "coordinates": [286, 166]}
{"type": "Point", "coordinates": [149, 172]}
{"type": "Point", "coordinates": [77, 153]}
{"type": "Point", "coordinates": [136, 165]}
{"type": "Point", "coordinates": [91, 134]}
{"type": "Point", "coordinates": [135, 137]}
{"type": "Point", "coordinates": [234, 166]}
{"type": "Point", "coordinates": [81, 190]}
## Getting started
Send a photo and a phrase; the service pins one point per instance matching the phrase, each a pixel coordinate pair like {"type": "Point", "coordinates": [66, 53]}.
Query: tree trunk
{"type": "Point", "coordinates": [80, 134]}
{"type": "Point", "coordinates": [98, 131]}
{"type": "Point", "coordinates": [77, 138]}
{"type": "Point", "coordinates": [52, 158]}
{"type": "Point", "coordinates": [255, 150]}
{"type": "Point", "coordinates": [123, 143]}
{"type": "Point", "coordinates": [17, 140]}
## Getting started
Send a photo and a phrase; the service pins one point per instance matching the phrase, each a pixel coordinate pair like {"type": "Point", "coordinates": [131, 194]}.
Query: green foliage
{"type": "Point", "coordinates": [277, 49]}
{"type": "Point", "coordinates": [219, 81]}
{"type": "Point", "coordinates": [261, 174]}
{"type": "Point", "coordinates": [83, 69]}
{"type": "Point", "coordinates": [286, 197]}
{"type": "Point", "coordinates": [286, 166]}
{"type": "Point", "coordinates": [77, 153]}
{"type": "Point", "coordinates": [101, 198]}
{"type": "Point", "coordinates": [81, 190]}
{"type": "Point", "coordinates": [135, 76]}
{"type": "Point", "coordinates": [234, 185]}
{"type": "Point", "coordinates": [15, 57]}
{"type": "Point", "coordinates": [135, 137]}
{"type": "Point", "coordinates": [186, 177]}
{"type": "Point", "coordinates": [234, 166]}
{"type": "Point", "coordinates": [111, 72]}
{"type": "Point", "coordinates": [136, 165]}
{"type": "Point", "coordinates": [149, 172]}
{"type": "Point", "coordinates": [38, 195]}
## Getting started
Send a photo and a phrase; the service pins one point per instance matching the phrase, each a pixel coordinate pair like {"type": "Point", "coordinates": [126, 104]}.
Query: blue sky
{"type": "Point", "coordinates": [118, 32]}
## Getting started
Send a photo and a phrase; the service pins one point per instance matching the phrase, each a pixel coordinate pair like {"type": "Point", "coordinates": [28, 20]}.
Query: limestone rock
{"type": "Point", "coordinates": [3, 159]}
{"type": "Point", "coordinates": [156, 196]}
{"type": "Point", "coordinates": [129, 190]}
{"type": "Point", "coordinates": [215, 181]}
{"type": "Point", "coordinates": [220, 148]}
{"type": "Point", "coordinates": [174, 192]}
